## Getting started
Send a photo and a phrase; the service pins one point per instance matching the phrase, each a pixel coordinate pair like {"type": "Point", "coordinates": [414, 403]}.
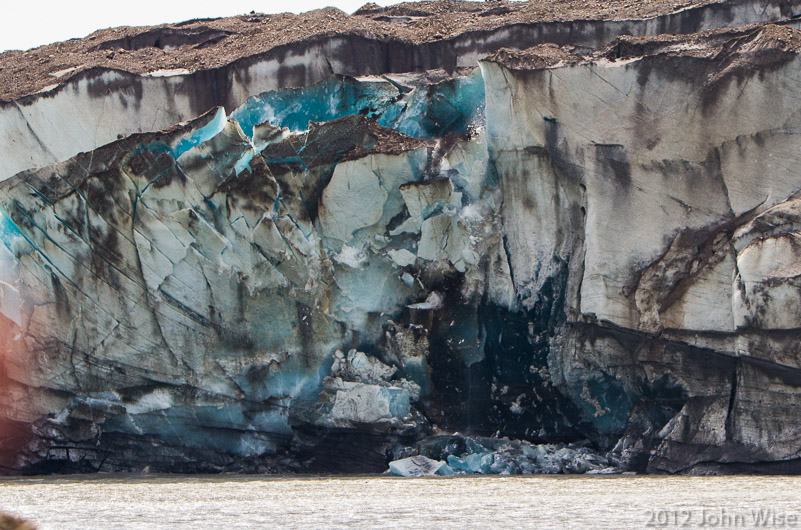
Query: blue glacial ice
{"type": "Point", "coordinates": [432, 112]}
{"type": "Point", "coordinates": [202, 134]}
{"type": "Point", "coordinates": [425, 111]}
{"type": "Point", "coordinates": [328, 100]}
{"type": "Point", "coordinates": [10, 242]}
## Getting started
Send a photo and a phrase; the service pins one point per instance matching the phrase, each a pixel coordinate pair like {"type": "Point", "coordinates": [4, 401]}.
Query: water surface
{"type": "Point", "coordinates": [105, 502]}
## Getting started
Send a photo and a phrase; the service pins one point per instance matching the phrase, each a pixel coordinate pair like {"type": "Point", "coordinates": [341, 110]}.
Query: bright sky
{"type": "Point", "coordinates": [30, 23]}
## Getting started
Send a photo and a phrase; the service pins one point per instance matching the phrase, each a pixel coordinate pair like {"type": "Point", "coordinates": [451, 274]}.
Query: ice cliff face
{"type": "Point", "coordinates": [78, 95]}
{"type": "Point", "coordinates": [554, 247]}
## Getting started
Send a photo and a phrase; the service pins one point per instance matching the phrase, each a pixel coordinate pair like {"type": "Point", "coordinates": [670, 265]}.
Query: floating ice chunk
{"type": "Point", "coordinates": [402, 257]}
{"type": "Point", "coordinates": [445, 471]}
{"type": "Point", "coordinates": [419, 466]}
{"type": "Point", "coordinates": [408, 279]}
{"type": "Point", "coordinates": [475, 463]}
{"type": "Point", "coordinates": [604, 471]}
{"type": "Point", "coordinates": [501, 456]}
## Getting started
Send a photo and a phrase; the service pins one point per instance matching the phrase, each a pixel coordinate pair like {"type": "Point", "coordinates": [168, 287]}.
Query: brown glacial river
{"type": "Point", "coordinates": [210, 502]}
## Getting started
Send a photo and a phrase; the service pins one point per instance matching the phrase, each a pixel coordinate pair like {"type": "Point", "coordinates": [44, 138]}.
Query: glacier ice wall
{"type": "Point", "coordinates": [557, 251]}
{"type": "Point", "coordinates": [191, 287]}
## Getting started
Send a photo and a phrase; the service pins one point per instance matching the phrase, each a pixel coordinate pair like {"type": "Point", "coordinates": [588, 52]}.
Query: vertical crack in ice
{"type": "Point", "coordinates": [45, 148]}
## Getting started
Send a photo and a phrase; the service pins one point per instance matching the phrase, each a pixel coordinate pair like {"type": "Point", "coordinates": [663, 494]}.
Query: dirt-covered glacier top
{"type": "Point", "coordinates": [206, 44]}
{"type": "Point", "coordinates": [755, 46]}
